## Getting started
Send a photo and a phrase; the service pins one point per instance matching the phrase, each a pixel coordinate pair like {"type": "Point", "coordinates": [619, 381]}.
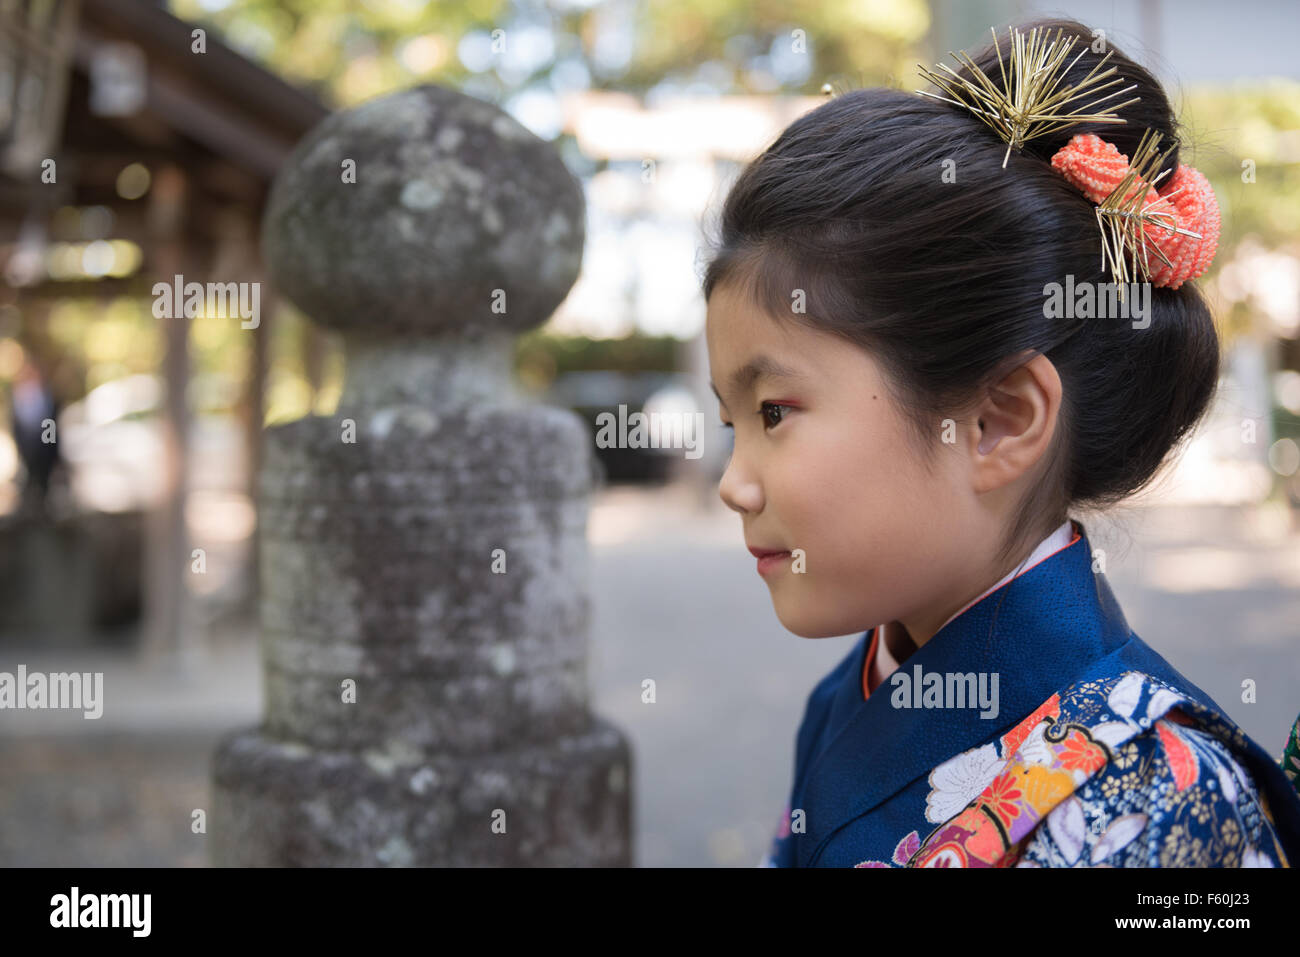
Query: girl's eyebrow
{"type": "Point", "coordinates": [759, 367]}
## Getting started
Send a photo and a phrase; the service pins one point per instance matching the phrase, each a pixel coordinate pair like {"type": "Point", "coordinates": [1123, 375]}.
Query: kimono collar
{"type": "Point", "coordinates": [879, 659]}
{"type": "Point", "coordinates": [1061, 538]}
{"type": "Point", "coordinates": [1036, 631]}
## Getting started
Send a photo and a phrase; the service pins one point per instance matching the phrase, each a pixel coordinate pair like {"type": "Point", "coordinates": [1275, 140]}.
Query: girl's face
{"type": "Point", "coordinates": [822, 463]}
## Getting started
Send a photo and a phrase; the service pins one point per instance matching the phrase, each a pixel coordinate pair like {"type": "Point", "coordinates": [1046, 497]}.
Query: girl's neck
{"type": "Point", "coordinates": [897, 640]}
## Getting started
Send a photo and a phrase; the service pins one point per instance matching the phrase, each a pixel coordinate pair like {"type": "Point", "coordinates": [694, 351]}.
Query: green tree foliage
{"type": "Point", "coordinates": [348, 51]}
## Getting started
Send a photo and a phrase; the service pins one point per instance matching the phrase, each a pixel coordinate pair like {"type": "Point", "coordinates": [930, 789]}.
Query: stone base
{"type": "Point", "coordinates": [281, 804]}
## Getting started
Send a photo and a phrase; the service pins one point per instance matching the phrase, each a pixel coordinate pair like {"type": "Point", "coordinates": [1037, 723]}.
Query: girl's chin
{"type": "Point", "coordinates": [810, 625]}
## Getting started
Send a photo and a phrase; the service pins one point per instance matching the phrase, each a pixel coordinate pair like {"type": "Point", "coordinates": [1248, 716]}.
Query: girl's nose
{"type": "Point", "coordinates": [739, 489]}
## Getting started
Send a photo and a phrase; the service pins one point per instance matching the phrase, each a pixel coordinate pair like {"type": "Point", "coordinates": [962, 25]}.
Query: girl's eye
{"type": "Point", "coordinates": [764, 410]}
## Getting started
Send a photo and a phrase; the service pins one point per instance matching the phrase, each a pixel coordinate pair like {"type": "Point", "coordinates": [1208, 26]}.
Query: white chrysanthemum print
{"type": "Point", "coordinates": [959, 780]}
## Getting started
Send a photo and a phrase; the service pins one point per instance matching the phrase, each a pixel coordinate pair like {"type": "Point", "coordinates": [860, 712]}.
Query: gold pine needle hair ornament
{"type": "Point", "coordinates": [1029, 104]}
{"type": "Point", "coordinates": [1134, 216]}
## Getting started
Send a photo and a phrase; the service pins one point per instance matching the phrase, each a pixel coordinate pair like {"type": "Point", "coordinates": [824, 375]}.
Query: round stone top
{"type": "Point", "coordinates": [424, 211]}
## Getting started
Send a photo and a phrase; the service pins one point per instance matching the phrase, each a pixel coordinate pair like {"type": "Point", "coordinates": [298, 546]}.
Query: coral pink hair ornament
{"type": "Point", "coordinates": [1178, 221]}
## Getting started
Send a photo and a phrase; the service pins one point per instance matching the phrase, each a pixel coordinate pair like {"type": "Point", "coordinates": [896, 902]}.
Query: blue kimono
{"type": "Point", "coordinates": [1089, 750]}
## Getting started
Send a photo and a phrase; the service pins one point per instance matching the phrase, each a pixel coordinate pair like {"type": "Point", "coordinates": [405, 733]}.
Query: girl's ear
{"type": "Point", "coordinates": [1015, 423]}
{"type": "Point", "coordinates": [988, 438]}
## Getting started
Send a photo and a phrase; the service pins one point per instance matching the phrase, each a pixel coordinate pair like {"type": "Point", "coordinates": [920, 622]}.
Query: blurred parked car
{"type": "Point", "coordinates": [590, 393]}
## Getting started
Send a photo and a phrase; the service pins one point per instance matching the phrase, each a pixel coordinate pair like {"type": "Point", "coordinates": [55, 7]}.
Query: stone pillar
{"type": "Point", "coordinates": [424, 604]}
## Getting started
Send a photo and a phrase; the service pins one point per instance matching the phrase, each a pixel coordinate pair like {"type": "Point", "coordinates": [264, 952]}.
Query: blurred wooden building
{"type": "Point", "coordinates": [146, 147]}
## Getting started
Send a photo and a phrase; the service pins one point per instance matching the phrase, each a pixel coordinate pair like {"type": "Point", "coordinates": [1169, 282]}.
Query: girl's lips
{"type": "Point", "coordinates": [770, 561]}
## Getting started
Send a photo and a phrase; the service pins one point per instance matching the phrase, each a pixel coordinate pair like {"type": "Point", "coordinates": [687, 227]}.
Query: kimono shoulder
{"type": "Point", "coordinates": [1173, 796]}
{"type": "Point", "coordinates": [1122, 772]}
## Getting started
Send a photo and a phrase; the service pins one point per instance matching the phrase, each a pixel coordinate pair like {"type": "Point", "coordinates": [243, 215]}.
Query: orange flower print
{"type": "Point", "coordinates": [1181, 760]}
{"type": "Point", "coordinates": [1080, 754]}
{"type": "Point", "coordinates": [1000, 797]}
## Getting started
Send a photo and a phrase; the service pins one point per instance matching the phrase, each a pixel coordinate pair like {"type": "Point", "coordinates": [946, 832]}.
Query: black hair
{"type": "Point", "coordinates": [943, 283]}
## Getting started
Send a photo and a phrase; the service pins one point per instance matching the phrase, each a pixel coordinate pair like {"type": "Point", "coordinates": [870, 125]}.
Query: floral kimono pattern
{"type": "Point", "coordinates": [1110, 774]}
{"type": "Point", "coordinates": [1128, 764]}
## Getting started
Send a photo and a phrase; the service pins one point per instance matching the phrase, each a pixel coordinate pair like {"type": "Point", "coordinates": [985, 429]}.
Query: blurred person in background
{"type": "Point", "coordinates": [33, 410]}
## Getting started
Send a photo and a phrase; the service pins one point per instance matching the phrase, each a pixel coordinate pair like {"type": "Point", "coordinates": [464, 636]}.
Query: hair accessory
{"type": "Point", "coordinates": [1178, 221]}
{"type": "Point", "coordinates": [1029, 104]}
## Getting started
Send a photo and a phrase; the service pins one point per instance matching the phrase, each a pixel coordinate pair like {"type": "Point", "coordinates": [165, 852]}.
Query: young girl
{"type": "Point", "coordinates": [913, 421]}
